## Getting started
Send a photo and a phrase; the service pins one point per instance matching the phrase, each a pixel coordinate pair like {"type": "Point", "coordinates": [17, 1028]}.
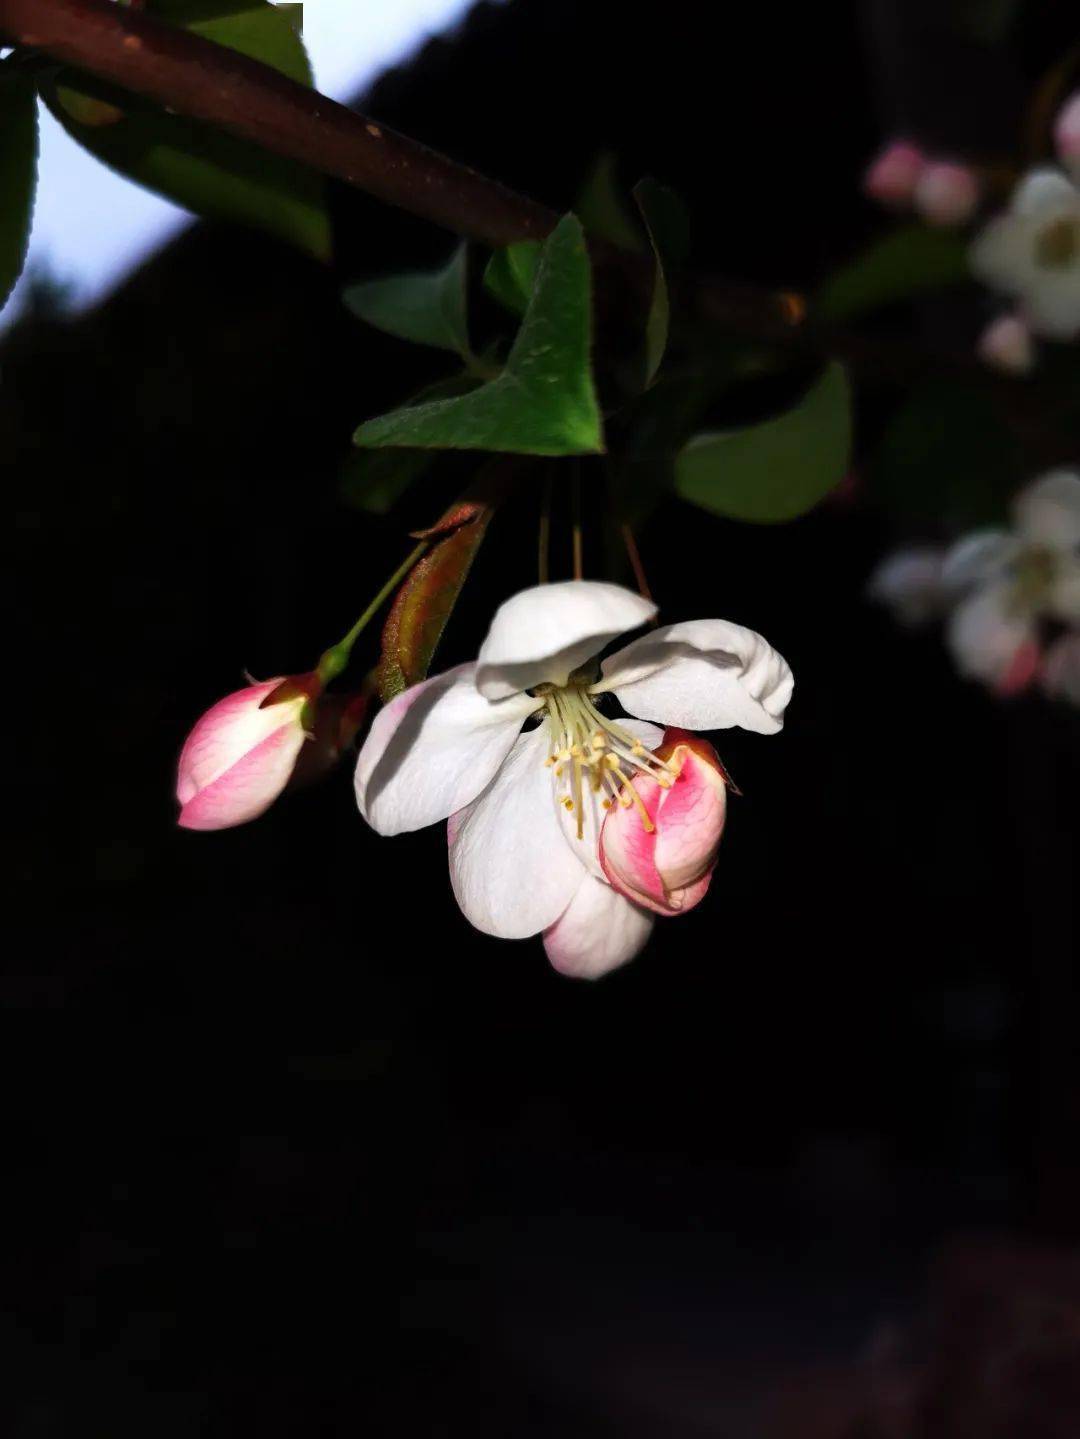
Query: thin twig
{"type": "Point", "coordinates": [210, 82]}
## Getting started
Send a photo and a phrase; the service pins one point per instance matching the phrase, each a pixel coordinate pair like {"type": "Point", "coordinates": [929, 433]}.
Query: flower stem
{"type": "Point", "coordinates": [575, 501]}
{"type": "Point", "coordinates": [634, 557]}
{"type": "Point", "coordinates": [335, 659]}
{"type": "Point", "coordinates": [543, 545]}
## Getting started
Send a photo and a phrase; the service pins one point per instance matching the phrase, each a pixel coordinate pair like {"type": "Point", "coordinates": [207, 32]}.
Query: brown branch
{"type": "Point", "coordinates": [205, 81]}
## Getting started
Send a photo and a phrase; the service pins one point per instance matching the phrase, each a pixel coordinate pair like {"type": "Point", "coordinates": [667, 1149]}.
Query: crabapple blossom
{"type": "Point", "coordinates": [1006, 345]}
{"type": "Point", "coordinates": [1033, 253]}
{"type": "Point", "coordinates": [946, 193]}
{"type": "Point", "coordinates": [659, 849]}
{"type": "Point", "coordinates": [894, 173]}
{"type": "Point", "coordinates": [1001, 587]}
{"type": "Point", "coordinates": [525, 806]}
{"type": "Point", "coordinates": [241, 754]}
{"type": "Point", "coordinates": [1067, 135]}
{"type": "Point", "coordinates": [910, 584]}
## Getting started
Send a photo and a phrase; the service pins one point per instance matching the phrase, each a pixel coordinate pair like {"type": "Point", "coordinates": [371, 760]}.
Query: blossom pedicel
{"type": "Point", "coordinates": [525, 807]}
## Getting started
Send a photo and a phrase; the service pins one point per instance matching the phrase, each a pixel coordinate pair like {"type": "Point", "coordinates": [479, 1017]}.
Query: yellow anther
{"type": "Point", "coordinates": [639, 748]}
{"type": "Point", "coordinates": [598, 740]}
{"type": "Point", "coordinates": [605, 804]}
{"type": "Point", "coordinates": [568, 803]}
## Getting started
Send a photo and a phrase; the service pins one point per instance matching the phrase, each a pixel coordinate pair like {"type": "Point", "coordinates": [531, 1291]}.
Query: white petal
{"type": "Point", "coordinates": [1051, 303]}
{"type": "Point", "coordinates": [432, 750]}
{"type": "Point", "coordinates": [598, 931]}
{"type": "Point", "coordinates": [1061, 668]}
{"type": "Point", "coordinates": [978, 559]}
{"type": "Point", "coordinates": [986, 635]}
{"type": "Point", "coordinates": [1003, 255]}
{"type": "Point", "coordinates": [1042, 191]}
{"type": "Point", "coordinates": [587, 848]}
{"type": "Point", "coordinates": [545, 633]}
{"type": "Point", "coordinates": [1063, 601]}
{"type": "Point", "coordinates": [512, 871]}
{"type": "Point", "coordinates": [701, 675]}
{"type": "Point", "coordinates": [909, 582]}
{"type": "Point", "coordinates": [1048, 510]}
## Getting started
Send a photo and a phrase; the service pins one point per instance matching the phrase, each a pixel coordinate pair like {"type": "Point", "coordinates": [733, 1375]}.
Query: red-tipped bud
{"type": "Point", "coordinates": [661, 854]}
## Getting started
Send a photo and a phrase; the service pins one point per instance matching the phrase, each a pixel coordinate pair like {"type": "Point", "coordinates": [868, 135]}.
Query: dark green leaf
{"type": "Point", "coordinates": [544, 402]}
{"type": "Point", "coordinates": [427, 307]}
{"type": "Point", "coordinates": [511, 274]}
{"type": "Point", "coordinates": [374, 480]}
{"type": "Point", "coordinates": [668, 228]}
{"type": "Point", "coordinates": [201, 168]}
{"type": "Point", "coordinates": [18, 172]}
{"type": "Point", "coordinates": [948, 456]}
{"type": "Point", "coordinates": [602, 208]}
{"type": "Point", "coordinates": [777, 470]}
{"type": "Point", "coordinates": [910, 261]}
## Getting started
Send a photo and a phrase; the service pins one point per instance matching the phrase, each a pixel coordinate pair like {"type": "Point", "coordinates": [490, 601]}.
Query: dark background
{"type": "Point", "coordinates": [293, 1149]}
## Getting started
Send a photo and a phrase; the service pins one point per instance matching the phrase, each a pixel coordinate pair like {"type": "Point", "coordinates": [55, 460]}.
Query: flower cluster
{"type": "Point", "coordinates": [1002, 592]}
{"type": "Point", "coordinates": [1029, 253]}
{"type": "Point", "coordinates": [563, 820]}
{"type": "Point", "coordinates": [942, 192]}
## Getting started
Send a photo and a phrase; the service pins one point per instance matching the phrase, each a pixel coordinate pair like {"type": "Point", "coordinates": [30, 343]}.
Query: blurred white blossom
{"type": "Point", "coordinates": [999, 588]}
{"type": "Point", "coordinates": [1032, 252]}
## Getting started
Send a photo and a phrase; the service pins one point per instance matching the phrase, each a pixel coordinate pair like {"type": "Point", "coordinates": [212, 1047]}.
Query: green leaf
{"type": "Point", "coordinates": [948, 456]}
{"type": "Point", "coordinates": [544, 402]}
{"type": "Point", "coordinates": [18, 172]}
{"type": "Point", "coordinates": [777, 470]}
{"type": "Point", "coordinates": [426, 307]}
{"type": "Point", "coordinates": [668, 228]}
{"type": "Point", "coordinates": [375, 480]}
{"type": "Point", "coordinates": [910, 261]}
{"type": "Point", "coordinates": [201, 168]}
{"type": "Point", "coordinates": [511, 274]}
{"type": "Point", "coordinates": [602, 209]}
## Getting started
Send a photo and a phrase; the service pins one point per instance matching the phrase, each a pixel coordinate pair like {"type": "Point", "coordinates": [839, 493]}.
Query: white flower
{"type": "Point", "coordinates": [525, 806]}
{"type": "Point", "coordinates": [1033, 253]}
{"type": "Point", "coordinates": [998, 587]}
{"type": "Point", "coordinates": [910, 584]}
{"type": "Point", "coordinates": [1014, 579]}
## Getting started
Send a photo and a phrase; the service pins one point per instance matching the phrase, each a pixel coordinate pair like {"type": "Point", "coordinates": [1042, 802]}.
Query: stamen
{"type": "Point", "coordinates": [601, 748]}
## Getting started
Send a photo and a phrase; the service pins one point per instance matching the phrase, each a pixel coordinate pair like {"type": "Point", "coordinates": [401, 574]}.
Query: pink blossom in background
{"type": "Point", "coordinates": [946, 193]}
{"type": "Point", "coordinates": [1007, 345]}
{"type": "Point", "coordinates": [1067, 135]}
{"type": "Point", "coordinates": [894, 173]}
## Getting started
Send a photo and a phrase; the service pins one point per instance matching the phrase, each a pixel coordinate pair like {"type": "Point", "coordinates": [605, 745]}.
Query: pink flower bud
{"type": "Point", "coordinates": [946, 193]}
{"type": "Point", "coordinates": [1006, 345]}
{"type": "Point", "coordinates": [661, 853]}
{"type": "Point", "coordinates": [240, 755]}
{"type": "Point", "coordinates": [1067, 134]}
{"type": "Point", "coordinates": [893, 175]}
